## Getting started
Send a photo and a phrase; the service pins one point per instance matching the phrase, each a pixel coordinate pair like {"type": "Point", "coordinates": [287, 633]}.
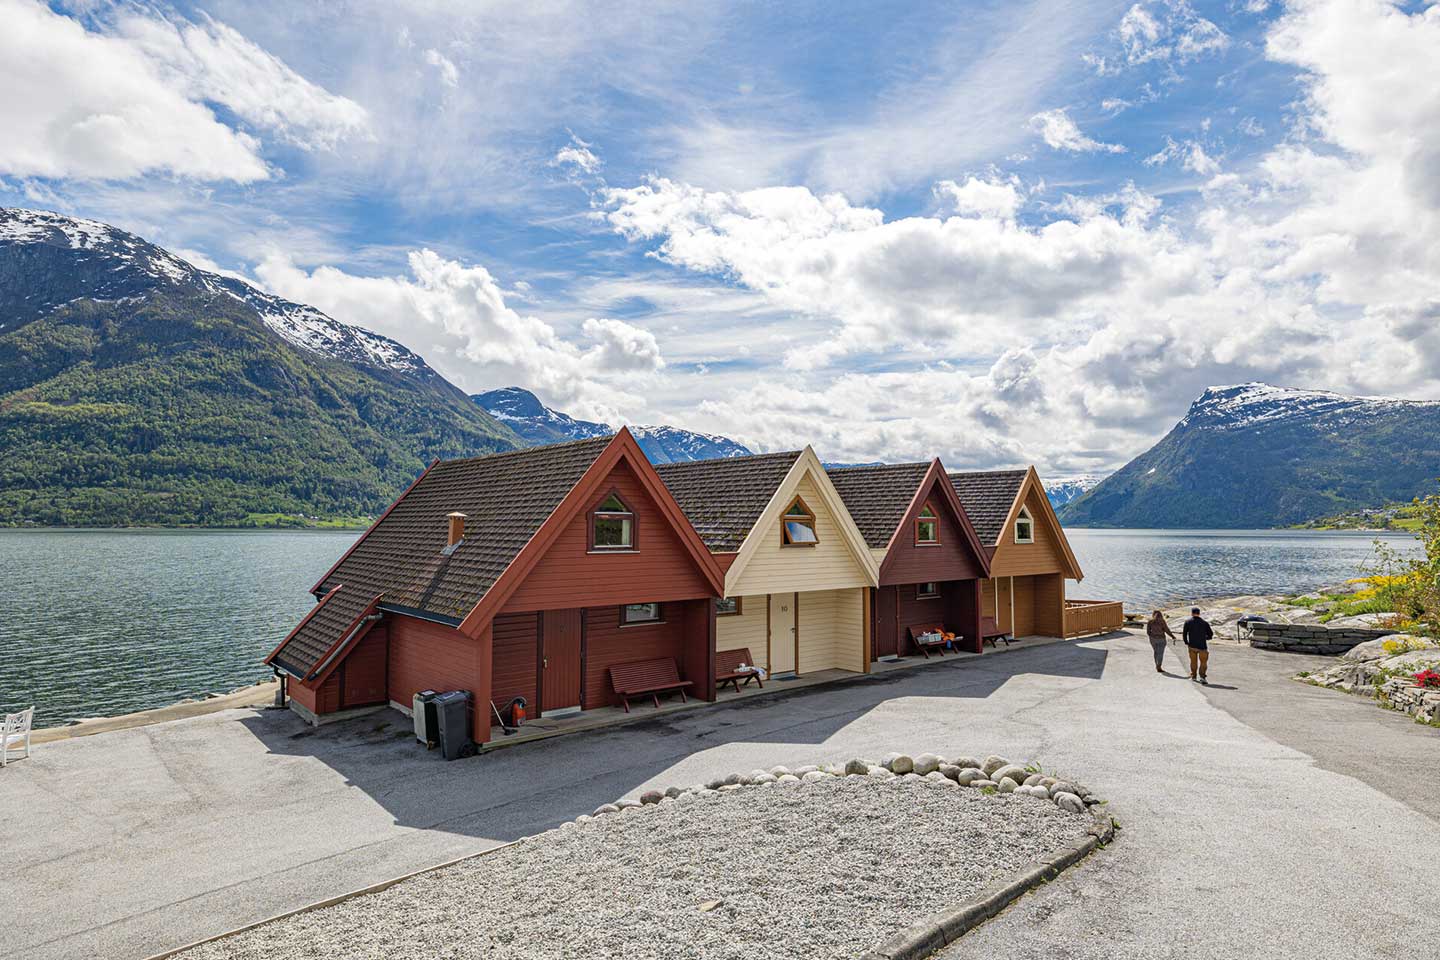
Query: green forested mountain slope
{"type": "Point", "coordinates": [135, 388]}
{"type": "Point", "coordinates": [1255, 455]}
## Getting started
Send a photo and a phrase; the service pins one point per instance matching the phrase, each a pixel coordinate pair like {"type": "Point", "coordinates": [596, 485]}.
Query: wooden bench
{"type": "Point", "coordinates": [647, 678]}
{"type": "Point", "coordinates": [727, 668]}
{"type": "Point", "coordinates": [990, 630]}
{"type": "Point", "coordinates": [919, 630]}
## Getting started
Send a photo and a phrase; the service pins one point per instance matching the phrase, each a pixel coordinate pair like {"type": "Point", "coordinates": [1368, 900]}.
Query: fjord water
{"type": "Point", "coordinates": [1167, 568]}
{"type": "Point", "coordinates": [100, 622]}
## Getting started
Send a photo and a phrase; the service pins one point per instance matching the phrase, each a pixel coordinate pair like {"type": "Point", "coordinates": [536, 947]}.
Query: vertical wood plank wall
{"type": "Point", "coordinates": [747, 629]}
{"type": "Point", "coordinates": [832, 630]}
{"type": "Point", "coordinates": [517, 647]}
{"type": "Point", "coordinates": [362, 675]}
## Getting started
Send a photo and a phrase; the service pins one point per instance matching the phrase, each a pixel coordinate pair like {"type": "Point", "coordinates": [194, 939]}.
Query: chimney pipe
{"type": "Point", "coordinates": [457, 528]}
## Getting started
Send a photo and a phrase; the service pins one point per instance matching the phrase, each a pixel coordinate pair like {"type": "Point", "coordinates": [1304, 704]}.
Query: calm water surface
{"type": "Point", "coordinates": [100, 622]}
{"type": "Point", "coordinates": [1149, 568]}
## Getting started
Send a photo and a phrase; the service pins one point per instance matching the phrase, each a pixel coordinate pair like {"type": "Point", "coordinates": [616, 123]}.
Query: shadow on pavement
{"type": "Point", "coordinates": [510, 793]}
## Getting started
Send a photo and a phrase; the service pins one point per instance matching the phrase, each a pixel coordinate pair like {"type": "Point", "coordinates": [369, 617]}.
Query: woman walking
{"type": "Point", "coordinates": [1157, 630]}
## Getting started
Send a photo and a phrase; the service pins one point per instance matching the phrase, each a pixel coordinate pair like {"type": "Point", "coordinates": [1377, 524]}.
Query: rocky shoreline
{"type": "Point", "coordinates": [1373, 661]}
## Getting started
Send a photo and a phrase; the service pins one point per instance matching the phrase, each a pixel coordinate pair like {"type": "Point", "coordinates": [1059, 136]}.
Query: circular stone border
{"type": "Point", "coordinates": [918, 940]}
{"type": "Point", "coordinates": [995, 774]}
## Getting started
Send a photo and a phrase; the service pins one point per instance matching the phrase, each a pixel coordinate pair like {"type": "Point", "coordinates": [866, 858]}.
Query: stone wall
{"type": "Point", "coordinates": [1310, 637]}
{"type": "Point", "coordinates": [1422, 703]}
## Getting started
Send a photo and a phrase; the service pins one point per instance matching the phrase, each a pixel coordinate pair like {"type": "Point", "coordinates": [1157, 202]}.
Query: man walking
{"type": "Point", "coordinates": [1197, 634]}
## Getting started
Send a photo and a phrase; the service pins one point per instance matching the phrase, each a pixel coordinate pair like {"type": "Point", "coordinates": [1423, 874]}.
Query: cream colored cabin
{"type": "Point", "coordinates": [801, 601]}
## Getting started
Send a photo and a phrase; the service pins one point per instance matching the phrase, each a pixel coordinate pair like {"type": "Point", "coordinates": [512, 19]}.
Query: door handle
{"type": "Point", "coordinates": [546, 663]}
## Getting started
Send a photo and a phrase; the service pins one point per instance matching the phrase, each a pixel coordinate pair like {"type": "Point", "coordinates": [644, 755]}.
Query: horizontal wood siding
{"type": "Point", "coordinates": [951, 559]}
{"type": "Point", "coordinates": [1084, 617]}
{"type": "Point", "coordinates": [829, 565]}
{"type": "Point", "coordinates": [914, 611]}
{"type": "Point", "coordinates": [606, 643]}
{"type": "Point", "coordinates": [570, 575]}
{"type": "Point", "coordinates": [745, 630]}
{"type": "Point", "coordinates": [323, 699]}
{"type": "Point", "coordinates": [1024, 559]}
{"type": "Point", "coordinates": [832, 630]}
{"type": "Point", "coordinates": [432, 656]}
{"type": "Point", "coordinates": [515, 655]}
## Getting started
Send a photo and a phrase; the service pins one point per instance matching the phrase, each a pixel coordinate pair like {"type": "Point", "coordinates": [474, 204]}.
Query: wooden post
{"type": "Point", "coordinates": [865, 616]}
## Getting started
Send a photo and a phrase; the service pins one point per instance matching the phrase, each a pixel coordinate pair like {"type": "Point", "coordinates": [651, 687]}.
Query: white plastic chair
{"type": "Point", "coordinates": [15, 736]}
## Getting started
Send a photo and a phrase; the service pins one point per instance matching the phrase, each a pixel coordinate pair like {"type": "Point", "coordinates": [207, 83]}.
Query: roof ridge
{"type": "Point", "coordinates": [987, 473]}
{"type": "Point", "coordinates": [749, 458]}
{"type": "Point", "coordinates": [856, 467]}
{"type": "Point", "coordinates": [546, 447]}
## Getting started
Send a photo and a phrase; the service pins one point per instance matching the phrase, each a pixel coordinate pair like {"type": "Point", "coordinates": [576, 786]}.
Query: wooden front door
{"type": "Point", "coordinates": [560, 660]}
{"type": "Point", "coordinates": [887, 633]}
{"type": "Point", "coordinates": [784, 633]}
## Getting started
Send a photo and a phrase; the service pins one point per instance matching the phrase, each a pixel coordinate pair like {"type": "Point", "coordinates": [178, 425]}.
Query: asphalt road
{"type": "Point", "coordinates": [1260, 818]}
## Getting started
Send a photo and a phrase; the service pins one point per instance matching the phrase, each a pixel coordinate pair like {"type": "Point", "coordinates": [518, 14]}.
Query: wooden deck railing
{"type": "Point", "coordinates": [1084, 617]}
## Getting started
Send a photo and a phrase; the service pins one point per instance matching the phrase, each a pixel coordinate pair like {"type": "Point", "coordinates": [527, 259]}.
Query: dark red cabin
{"type": "Point", "coordinates": [526, 573]}
{"type": "Point", "coordinates": [931, 561]}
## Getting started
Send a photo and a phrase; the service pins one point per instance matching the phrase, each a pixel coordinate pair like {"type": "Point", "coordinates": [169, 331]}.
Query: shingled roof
{"type": "Point", "coordinates": [724, 498]}
{"type": "Point", "coordinates": [987, 497]}
{"type": "Point", "coordinates": [506, 497]}
{"type": "Point", "coordinates": [877, 496]}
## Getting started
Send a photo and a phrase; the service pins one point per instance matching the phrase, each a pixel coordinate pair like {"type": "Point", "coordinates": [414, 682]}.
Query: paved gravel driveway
{"type": "Point", "coordinates": [1251, 830]}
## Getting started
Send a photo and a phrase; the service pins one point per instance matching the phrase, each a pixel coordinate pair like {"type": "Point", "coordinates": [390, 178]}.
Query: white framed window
{"type": "Point", "coordinates": [797, 527]}
{"type": "Point", "coordinates": [612, 525]}
{"type": "Point", "coordinates": [927, 591]}
{"type": "Point", "coordinates": [635, 613]}
{"type": "Point", "coordinates": [1024, 527]}
{"type": "Point", "coordinates": [927, 527]}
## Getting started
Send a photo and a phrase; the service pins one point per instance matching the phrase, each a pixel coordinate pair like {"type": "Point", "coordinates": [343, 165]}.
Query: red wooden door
{"type": "Point", "coordinates": [560, 660]}
{"type": "Point", "coordinates": [362, 675]}
{"type": "Point", "coordinates": [886, 635]}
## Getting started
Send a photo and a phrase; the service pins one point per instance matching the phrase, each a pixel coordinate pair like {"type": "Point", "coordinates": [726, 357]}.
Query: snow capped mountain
{"type": "Point", "coordinates": [1251, 404]}
{"type": "Point", "coordinates": [1258, 455]}
{"type": "Point", "coordinates": [136, 388]}
{"type": "Point", "coordinates": [522, 411]}
{"type": "Point", "coordinates": [1062, 490]}
{"type": "Point", "coordinates": [672, 445]}
{"type": "Point", "coordinates": [86, 259]}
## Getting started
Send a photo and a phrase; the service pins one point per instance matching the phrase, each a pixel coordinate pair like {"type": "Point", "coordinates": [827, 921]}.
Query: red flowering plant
{"type": "Point", "coordinates": [1428, 678]}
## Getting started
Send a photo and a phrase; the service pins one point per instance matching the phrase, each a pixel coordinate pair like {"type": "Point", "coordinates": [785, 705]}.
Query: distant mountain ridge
{"type": "Point", "coordinates": [138, 388]}
{"type": "Point", "coordinates": [535, 423]}
{"type": "Point", "coordinates": [1062, 490]}
{"type": "Point", "coordinates": [1255, 455]}
{"type": "Point", "coordinates": [136, 265]}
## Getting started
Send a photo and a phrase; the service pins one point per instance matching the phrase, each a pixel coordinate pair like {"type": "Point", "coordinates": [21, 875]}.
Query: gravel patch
{"type": "Point", "coordinates": [827, 868]}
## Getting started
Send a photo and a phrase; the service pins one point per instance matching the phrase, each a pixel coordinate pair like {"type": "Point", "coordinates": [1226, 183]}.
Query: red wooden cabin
{"type": "Point", "coordinates": [526, 573]}
{"type": "Point", "coordinates": [931, 561]}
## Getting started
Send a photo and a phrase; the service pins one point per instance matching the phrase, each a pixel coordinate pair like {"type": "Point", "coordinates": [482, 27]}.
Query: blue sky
{"type": "Point", "coordinates": [996, 232]}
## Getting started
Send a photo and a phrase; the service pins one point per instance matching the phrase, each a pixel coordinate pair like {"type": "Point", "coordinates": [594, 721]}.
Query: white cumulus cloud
{"type": "Point", "coordinates": [456, 316]}
{"type": "Point", "coordinates": [132, 97]}
{"type": "Point", "coordinates": [1076, 338]}
{"type": "Point", "coordinates": [1062, 133]}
